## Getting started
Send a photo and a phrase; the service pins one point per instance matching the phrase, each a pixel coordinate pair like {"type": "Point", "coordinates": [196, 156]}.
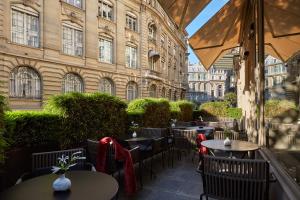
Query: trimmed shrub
{"type": "Point", "coordinates": [33, 128]}
{"type": "Point", "coordinates": [89, 116]}
{"type": "Point", "coordinates": [182, 110]}
{"type": "Point", "coordinates": [218, 109]}
{"type": "Point", "coordinates": [155, 113]}
{"type": "Point", "coordinates": [278, 108]}
{"type": "Point", "coordinates": [2, 141]}
{"type": "Point", "coordinates": [235, 113]}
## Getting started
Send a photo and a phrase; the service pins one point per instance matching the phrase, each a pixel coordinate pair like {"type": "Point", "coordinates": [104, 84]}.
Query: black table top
{"type": "Point", "coordinates": [236, 145]}
{"type": "Point", "coordinates": [85, 185]}
{"type": "Point", "coordinates": [138, 139]}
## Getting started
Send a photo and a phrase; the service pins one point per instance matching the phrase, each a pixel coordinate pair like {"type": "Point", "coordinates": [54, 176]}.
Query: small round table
{"type": "Point", "coordinates": [85, 185]}
{"type": "Point", "coordinates": [236, 146]}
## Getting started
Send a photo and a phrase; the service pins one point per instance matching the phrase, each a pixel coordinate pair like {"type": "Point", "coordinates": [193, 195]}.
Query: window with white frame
{"type": "Point", "coordinates": [25, 26]}
{"type": "Point", "coordinates": [106, 50]}
{"type": "Point", "coordinates": [72, 40]}
{"type": "Point", "coordinates": [106, 10]}
{"type": "Point", "coordinates": [107, 86]}
{"type": "Point", "coordinates": [152, 91]}
{"type": "Point", "coordinates": [77, 3]}
{"type": "Point", "coordinates": [25, 82]}
{"type": "Point", "coordinates": [131, 22]}
{"type": "Point", "coordinates": [131, 56]}
{"type": "Point", "coordinates": [72, 83]}
{"type": "Point", "coordinates": [152, 63]}
{"type": "Point", "coordinates": [132, 91]}
{"type": "Point", "coordinates": [152, 31]}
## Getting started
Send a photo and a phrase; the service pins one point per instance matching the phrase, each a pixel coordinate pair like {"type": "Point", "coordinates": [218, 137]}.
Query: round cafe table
{"type": "Point", "coordinates": [85, 185]}
{"type": "Point", "coordinates": [236, 146]}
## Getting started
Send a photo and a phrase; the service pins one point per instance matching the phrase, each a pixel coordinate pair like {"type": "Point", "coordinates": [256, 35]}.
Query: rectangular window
{"type": "Point", "coordinates": [25, 28]}
{"type": "Point", "coordinates": [106, 10]}
{"type": "Point", "coordinates": [131, 57]}
{"type": "Point", "coordinates": [105, 50]}
{"type": "Point", "coordinates": [131, 22]}
{"type": "Point", "coordinates": [72, 41]}
{"type": "Point", "coordinates": [77, 3]}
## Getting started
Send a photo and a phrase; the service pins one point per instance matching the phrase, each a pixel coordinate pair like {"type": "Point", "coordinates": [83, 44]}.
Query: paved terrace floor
{"type": "Point", "coordinates": [181, 182]}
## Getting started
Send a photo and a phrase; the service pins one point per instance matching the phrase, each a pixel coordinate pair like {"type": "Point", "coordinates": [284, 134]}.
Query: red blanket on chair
{"type": "Point", "coordinates": [121, 154]}
{"type": "Point", "coordinates": [202, 150]}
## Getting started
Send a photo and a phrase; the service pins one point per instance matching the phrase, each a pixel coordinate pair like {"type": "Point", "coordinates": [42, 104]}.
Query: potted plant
{"type": "Point", "coordinates": [64, 164]}
{"type": "Point", "coordinates": [134, 127]}
{"type": "Point", "coordinates": [227, 134]}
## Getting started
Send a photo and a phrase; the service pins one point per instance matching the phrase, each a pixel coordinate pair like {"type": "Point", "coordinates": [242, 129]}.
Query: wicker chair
{"type": "Point", "coordinates": [184, 141]}
{"type": "Point", "coordinates": [43, 162]}
{"type": "Point", "coordinates": [235, 179]}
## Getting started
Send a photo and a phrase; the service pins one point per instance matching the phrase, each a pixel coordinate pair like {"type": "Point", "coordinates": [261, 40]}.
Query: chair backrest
{"type": "Point", "coordinates": [235, 179]}
{"type": "Point", "coordinates": [185, 139]}
{"type": "Point", "coordinates": [45, 160]}
{"type": "Point", "coordinates": [219, 135]}
{"type": "Point", "coordinates": [154, 132]}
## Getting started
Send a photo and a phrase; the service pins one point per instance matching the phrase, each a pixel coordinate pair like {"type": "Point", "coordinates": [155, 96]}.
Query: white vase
{"type": "Point", "coordinates": [227, 142]}
{"type": "Point", "coordinates": [61, 183]}
{"type": "Point", "coordinates": [134, 134]}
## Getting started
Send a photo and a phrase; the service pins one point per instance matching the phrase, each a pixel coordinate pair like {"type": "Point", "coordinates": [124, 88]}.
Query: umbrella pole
{"type": "Point", "coordinates": [261, 59]}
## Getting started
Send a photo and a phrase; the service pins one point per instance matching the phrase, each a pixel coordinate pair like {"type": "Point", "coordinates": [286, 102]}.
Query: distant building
{"type": "Point", "coordinates": [275, 76]}
{"type": "Point", "coordinates": [212, 84]}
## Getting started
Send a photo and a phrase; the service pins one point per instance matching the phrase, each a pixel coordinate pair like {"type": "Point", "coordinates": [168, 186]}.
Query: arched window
{"type": "Point", "coordinates": [132, 90]}
{"type": "Point", "coordinates": [152, 91]}
{"type": "Point", "coordinates": [175, 96]}
{"type": "Point", "coordinates": [163, 92]}
{"type": "Point", "coordinates": [220, 91]}
{"type": "Point", "coordinates": [152, 32]}
{"type": "Point", "coordinates": [170, 94]}
{"type": "Point", "coordinates": [107, 86]}
{"type": "Point", "coordinates": [25, 82]}
{"type": "Point", "coordinates": [72, 83]}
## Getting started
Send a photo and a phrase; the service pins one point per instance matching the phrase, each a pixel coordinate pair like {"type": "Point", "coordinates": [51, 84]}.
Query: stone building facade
{"type": "Point", "coordinates": [128, 48]}
{"type": "Point", "coordinates": [275, 76]}
{"type": "Point", "coordinates": [210, 85]}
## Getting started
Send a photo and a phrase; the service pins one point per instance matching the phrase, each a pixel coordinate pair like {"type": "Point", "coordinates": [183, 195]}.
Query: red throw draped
{"type": "Point", "coordinates": [202, 150]}
{"type": "Point", "coordinates": [121, 154]}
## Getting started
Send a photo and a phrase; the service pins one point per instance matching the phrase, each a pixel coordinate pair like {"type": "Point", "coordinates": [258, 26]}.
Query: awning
{"type": "Point", "coordinates": [223, 31]}
{"type": "Point", "coordinates": [153, 54]}
{"type": "Point", "coordinates": [183, 11]}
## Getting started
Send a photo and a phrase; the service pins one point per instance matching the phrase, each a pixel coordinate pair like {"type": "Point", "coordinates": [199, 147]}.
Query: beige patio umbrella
{"type": "Point", "coordinates": [224, 30]}
{"type": "Point", "coordinates": [183, 11]}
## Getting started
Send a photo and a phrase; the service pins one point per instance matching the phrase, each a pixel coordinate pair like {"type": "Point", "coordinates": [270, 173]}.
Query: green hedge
{"type": "Point", "coordinates": [182, 110]}
{"type": "Point", "coordinates": [279, 108]}
{"type": "Point", "coordinates": [33, 128]}
{"type": "Point", "coordinates": [89, 115]}
{"type": "Point", "coordinates": [2, 141]}
{"type": "Point", "coordinates": [152, 112]}
{"type": "Point", "coordinates": [220, 109]}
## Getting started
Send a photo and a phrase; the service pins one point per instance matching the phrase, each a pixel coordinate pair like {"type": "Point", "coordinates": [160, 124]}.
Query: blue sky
{"type": "Point", "coordinates": [201, 19]}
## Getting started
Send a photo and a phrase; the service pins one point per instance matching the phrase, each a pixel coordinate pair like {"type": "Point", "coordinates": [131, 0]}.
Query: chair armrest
{"type": "Point", "coordinates": [272, 178]}
{"type": "Point", "coordinates": [135, 154]}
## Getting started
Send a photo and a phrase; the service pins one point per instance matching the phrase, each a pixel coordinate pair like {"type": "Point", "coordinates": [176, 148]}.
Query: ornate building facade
{"type": "Point", "coordinates": [210, 85]}
{"type": "Point", "coordinates": [128, 48]}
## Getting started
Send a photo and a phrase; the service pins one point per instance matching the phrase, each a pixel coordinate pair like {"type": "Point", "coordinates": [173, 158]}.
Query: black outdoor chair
{"type": "Point", "coordinates": [113, 166]}
{"type": "Point", "coordinates": [235, 179]}
{"type": "Point", "coordinates": [184, 141]}
{"type": "Point", "coordinates": [42, 163]}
